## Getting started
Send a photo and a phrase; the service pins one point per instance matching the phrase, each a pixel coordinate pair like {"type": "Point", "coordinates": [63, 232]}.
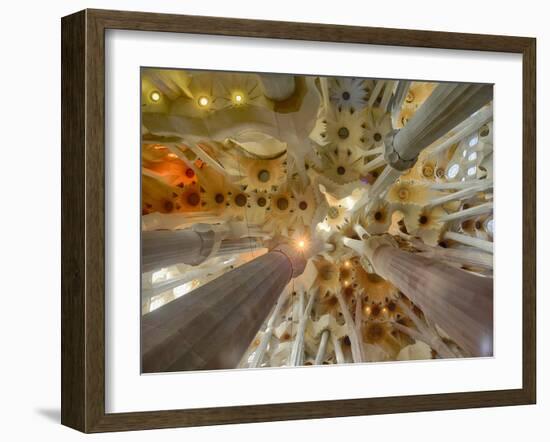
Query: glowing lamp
{"type": "Point", "coordinates": [203, 101]}
{"type": "Point", "coordinates": [238, 98]}
{"type": "Point", "coordinates": [155, 96]}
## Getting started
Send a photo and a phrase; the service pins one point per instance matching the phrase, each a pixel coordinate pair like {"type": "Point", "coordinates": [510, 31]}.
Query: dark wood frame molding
{"type": "Point", "coordinates": [83, 216]}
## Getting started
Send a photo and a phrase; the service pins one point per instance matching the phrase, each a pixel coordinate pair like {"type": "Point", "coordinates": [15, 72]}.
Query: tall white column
{"type": "Point", "coordinates": [162, 248]}
{"type": "Point", "coordinates": [212, 326]}
{"type": "Point", "coordinates": [460, 302]}
{"type": "Point", "coordinates": [447, 106]}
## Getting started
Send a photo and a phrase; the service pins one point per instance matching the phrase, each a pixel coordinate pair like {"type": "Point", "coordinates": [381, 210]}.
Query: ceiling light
{"type": "Point", "coordinates": [238, 98]}
{"type": "Point", "coordinates": [203, 101]}
{"type": "Point", "coordinates": [155, 96]}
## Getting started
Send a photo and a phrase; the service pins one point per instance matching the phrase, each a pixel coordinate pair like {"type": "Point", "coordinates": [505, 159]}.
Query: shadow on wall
{"type": "Point", "coordinates": [51, 414]}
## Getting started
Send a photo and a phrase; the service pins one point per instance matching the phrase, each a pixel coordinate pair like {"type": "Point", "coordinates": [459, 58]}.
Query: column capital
{"type": "Point", "coordinates": [391, 155]}
{"type": "Point", "coordinates": [296, 257]}
{"type": "Point", "coordinates": [446, 107]}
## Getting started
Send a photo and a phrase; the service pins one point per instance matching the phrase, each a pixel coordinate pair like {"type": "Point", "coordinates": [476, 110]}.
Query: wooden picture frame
{"type": "Point", "coordinates": [83, 220]}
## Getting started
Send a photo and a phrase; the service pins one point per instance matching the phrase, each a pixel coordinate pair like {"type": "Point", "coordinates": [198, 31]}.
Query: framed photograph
{"type": "Point", "coordinates": [269, 220]}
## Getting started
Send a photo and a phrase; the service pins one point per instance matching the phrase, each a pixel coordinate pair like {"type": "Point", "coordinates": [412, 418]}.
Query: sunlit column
{"type": "Point", "coordinates": [398, 99]}
{"type": "Point", "coordinates": [162, 248]}
{"type": "Point", "coordinates": [458, 301]}
{"type": "Point", "coordinates": [447, 106]}
{"type": "Point", "coordinates": [297, 353]}
{"type": "Point", "coordinates": [212, 326]}
{"type": "Point", "coordinates": [320, 357]}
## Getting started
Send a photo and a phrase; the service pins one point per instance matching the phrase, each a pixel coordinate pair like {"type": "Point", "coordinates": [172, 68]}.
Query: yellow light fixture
{"type": "Point", "coordinates": [203, 101]}
{"type": "Point", "coordinates": [238, 98]}
{"type": "Point", "coordinates": [155, 96]}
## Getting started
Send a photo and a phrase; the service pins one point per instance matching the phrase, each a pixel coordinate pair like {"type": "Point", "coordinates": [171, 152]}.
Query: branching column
{"type": "Point", "coordinates": [212, 326]}
{"type": "Point", "coordinates": [447, 106]}
{"type": "Point", "coordinates": [162, 248]}
{"type": "Point", "coordinates": [458, 301]}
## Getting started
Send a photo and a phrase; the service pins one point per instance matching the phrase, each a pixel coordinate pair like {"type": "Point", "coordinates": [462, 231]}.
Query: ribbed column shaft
{"type": "Point", "coordinates": [212, 326]}
{"type": "Point", "coordinates": [398, 98]}
{"type": "Point", "coordinates": [321, 351]}
{"type": "Point", "coordinates": [458, 301]}
{"type": "Point", "coordinates": [447, 106]}
{"type": "Point", "coordinates": [162, 248]}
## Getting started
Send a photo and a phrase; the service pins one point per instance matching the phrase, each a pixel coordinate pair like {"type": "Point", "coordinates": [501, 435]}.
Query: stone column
{"type": "Point", "coordinates": [447, 106]}
{"type": "Point", "coordinates": [461, 303]}
{"type": "Point", "coordinates": [398, 98]}
{"type": "Point", "coordinates": [277, 87]}
{"type": "Point", "coordinates": [162, 248]}
{"type": "Point", "coordinates": [320, 357]}
{"type": "Point", "coordinates": [211, 327]}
